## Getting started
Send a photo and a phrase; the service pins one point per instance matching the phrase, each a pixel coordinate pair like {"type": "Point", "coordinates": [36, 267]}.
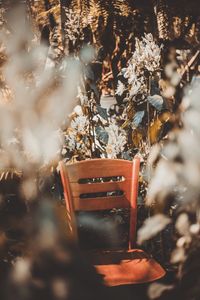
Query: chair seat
{"type": "Point", "coordinates": [126, 267]}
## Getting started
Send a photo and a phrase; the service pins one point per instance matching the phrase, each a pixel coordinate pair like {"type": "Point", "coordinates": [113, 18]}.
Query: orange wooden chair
{"type": "Point", "coordinates": [118, 267]}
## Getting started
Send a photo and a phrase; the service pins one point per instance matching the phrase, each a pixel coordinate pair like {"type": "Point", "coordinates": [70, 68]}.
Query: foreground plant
{"type": "Point", "coordinates": [39, 99]}
{"type": "Point", "coordinates": [175, 183]}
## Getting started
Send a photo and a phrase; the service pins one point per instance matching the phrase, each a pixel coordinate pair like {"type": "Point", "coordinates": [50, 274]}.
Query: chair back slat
{"type": "Point", "coordinates": [103, 187]}
{"type": "Point", "coordinates": [85, 196]}
{"type": "Point", "coordinates": [99, 168]}
{"type": "Point", "coordinates": [100, 203]}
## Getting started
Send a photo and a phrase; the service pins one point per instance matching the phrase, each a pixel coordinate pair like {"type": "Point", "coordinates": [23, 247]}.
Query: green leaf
{"type": "Point", "coordinates": [102, 112]}
{"type": "Point", "coordinates": [137, 119]}
{"type": "Point", "coordinates": [156, 101]}
{"type": "Point", "coordinates": [102, 135]}
{"type": "Point", "coordinates": [127, 155]}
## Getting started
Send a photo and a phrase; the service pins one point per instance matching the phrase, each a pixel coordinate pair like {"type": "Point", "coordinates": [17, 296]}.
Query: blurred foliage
{"type": "Point", "coordinates": [33, 223]}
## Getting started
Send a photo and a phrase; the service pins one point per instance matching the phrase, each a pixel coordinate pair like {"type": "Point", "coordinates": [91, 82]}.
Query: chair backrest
{"type": "Point", "coordinates": [87, 187]}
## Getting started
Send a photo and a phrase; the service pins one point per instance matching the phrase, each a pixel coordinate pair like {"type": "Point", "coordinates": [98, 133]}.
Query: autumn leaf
{"type": "Point", "coordinates": [136, 138]}
{"type": "Point", "coordinates": [165, 117]}
{"type": "Point", "coordinates": [156, 126]}
{"type": "Point", "coordinates": [154, 130]}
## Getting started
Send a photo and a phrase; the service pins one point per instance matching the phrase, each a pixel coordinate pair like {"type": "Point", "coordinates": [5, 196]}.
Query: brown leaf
{"type": "Point", "coordinates": [156, 126]}
{"type": "Point", "coordinates": [137, 138]}
{"type": "Point", "coordinates": [154, 130]}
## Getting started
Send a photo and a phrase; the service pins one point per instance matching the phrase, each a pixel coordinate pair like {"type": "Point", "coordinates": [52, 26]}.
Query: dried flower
{"type": "Point", "coordinates": [72, 26]}
{"type": "Point", "coordinates": [146, 57]}
{"type": "Point", "coordinates": [120, 88]}
{"type": "Point", "coordinates": [116, 140]}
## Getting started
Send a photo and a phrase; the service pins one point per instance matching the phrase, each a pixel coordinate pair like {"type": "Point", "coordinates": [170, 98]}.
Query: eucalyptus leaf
{"type": "Point", "coordinates": [127, 155]}
{"type": "Point", "coordinates": [137, 119]}
{"type": "Point", "coordinates": [102, 112]}
{"type": "Point", "coordinates": [102, 135]}
{"type": "Point", "coordinates": [156, 101]}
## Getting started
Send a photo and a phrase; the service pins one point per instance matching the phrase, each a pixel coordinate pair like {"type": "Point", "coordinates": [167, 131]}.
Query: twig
{"type": "Point", "coordinates": [190, 63]}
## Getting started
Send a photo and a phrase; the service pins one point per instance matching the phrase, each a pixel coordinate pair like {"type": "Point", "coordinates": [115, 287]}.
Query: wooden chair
{"type": "Point", "coordinates": [118, 267]}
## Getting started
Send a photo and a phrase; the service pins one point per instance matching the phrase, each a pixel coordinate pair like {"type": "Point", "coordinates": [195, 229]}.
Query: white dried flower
{"type": "Point", "coordinates": [78, 110]}
{"type": "Point", "coordinates": [146, 56]}
{"type": "Point", "coordinates": [138, 86]}
{"type": "Point", "coordinates": [80, 124]}
{"type": "Point", "coordinates": [120, 88]}
{"type": "Point", "coordinates": [116, 140]}
{"type": "Point", "coordinates": [72, 27]}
